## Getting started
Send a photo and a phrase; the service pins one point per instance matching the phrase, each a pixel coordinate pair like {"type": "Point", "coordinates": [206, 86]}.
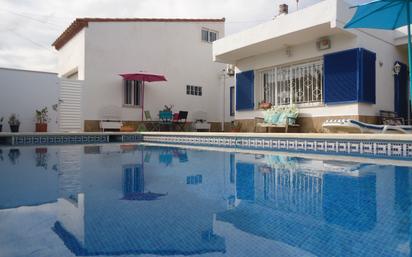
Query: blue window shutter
{"type": "Point", "coordinates": [245, 173]}
{"type": "Point", "coordinates": [350, 76]}
{"type": "Point", "coordinates": [341, 76]}
{"type": "Point", "coordinates": [367, 85]}
{"type": "Point", "coordinates": [244, 90]}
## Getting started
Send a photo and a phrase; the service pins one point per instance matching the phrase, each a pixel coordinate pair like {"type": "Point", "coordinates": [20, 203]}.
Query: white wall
{"type": "Point", "coordinates": [71, 56]}
{"type": "Point", "coordinates": [174, 49]}
{"type": "Point", "coordinates": [22, 92]}
{"type": "Point", "coordinates": [227, 82]}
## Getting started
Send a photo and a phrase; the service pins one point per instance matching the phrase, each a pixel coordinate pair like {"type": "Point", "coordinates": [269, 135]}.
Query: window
{"type": "Point", "coordinates": [293, 84]}
{"type": "Point", "coordinates": [232, 101]}
{"type": "Point", "coordinates": [194, 180]}
{"type": "Point", "coordinates": [212, 36]}
{"type": "Point", "coordinates": [209, 35]}
{"type": "Point", "coordinates": [132, 92]}
{"type": "Point", "coordinates": [193, 90]}
{"type": "Point", "coordinates": [133, 179]}
{"type": "Point", "coordinates": [205, 35]}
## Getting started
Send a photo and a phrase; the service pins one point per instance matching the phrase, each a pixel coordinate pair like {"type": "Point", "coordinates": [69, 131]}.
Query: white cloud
{"type": "Point", "coordinates": [28, 27]}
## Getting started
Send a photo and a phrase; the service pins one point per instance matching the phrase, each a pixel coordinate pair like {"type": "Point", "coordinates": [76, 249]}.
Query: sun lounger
{"type": "Point", "coordinates": [354, 126]}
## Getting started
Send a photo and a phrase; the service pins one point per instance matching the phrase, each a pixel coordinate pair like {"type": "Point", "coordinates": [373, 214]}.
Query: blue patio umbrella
{"type": "Point", "coordinates": [385, 14]}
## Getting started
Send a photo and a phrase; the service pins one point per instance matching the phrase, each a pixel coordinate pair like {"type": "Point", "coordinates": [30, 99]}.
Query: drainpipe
{"type": "Point", "coordinates": [224, 100]}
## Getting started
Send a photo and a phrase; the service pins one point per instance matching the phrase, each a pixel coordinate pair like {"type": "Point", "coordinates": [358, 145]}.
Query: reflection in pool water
{"type": "Point", "coordinates": [127, 199]}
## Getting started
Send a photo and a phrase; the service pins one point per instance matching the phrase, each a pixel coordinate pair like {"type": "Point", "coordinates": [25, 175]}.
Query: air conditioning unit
{"type": "Point", "coordinates": [230, 70]}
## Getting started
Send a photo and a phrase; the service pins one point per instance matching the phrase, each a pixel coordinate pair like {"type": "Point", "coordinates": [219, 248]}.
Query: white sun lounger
{"type": "Point", "coordinates": [354, 126]}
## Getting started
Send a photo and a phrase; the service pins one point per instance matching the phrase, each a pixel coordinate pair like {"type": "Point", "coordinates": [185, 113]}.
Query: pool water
{"type": "Point", "coordinates": [127, 200]}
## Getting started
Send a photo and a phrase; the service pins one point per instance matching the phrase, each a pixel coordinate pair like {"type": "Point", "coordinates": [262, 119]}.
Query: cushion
{"type": "Point", "coordinates": [275, 118]}
{"type": "Point", "coordinates": [266, 116]}
{"type": "Point", "coordinates": [282, 118]}
{"type": "Point", "coordinates": [293, 117]}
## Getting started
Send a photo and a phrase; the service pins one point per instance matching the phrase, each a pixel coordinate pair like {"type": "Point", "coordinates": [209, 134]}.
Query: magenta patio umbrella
{"type": "Point", "coordinates": [144, 77]}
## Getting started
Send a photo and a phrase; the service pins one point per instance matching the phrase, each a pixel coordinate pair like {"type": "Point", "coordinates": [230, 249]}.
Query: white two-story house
{"type": "Point", "coordinates": [96, 50]}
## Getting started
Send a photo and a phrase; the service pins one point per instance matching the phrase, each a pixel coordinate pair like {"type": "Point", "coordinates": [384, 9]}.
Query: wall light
{"type": "Point", "coordinates": [396, 69]}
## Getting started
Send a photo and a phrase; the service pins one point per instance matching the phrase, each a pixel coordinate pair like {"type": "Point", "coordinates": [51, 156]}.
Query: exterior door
{"type": "Point", "coordinates": [70, 105]}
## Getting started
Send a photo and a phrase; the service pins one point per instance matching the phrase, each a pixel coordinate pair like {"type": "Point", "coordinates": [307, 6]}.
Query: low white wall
{"type": "Point", "coordinates": [22, 92]}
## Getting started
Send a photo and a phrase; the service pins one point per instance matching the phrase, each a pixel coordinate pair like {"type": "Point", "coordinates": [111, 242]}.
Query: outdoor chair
{"type": "Point", "coordinates": [150, 124]}
{"type": "Point", "coordinates": [180, 120]}
{"type": "Point", "coordinates": [165, 118]}
{"type": "Point", "coordinates": [390, 118]}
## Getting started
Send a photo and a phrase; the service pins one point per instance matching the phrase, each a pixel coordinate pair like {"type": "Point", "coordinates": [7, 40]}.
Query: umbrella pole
{"type": "Point", "coordinates": [409, 58]}
{"type": "Point", "coordinates": [142, 99]}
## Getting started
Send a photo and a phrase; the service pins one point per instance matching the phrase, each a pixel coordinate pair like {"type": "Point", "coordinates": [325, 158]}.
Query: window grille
{"type": "Point", "coordinates": [292, 84]}
{"type": "Point", "coordinates": [193, 90]}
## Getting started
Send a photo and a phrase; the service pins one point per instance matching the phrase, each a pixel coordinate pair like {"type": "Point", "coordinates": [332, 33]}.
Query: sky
{"type": "Point", "coordinates": [29, 27]}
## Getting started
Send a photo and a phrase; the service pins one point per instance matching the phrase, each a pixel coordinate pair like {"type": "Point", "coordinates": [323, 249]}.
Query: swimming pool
{"type": "Point", "coordinates": [137, 199]}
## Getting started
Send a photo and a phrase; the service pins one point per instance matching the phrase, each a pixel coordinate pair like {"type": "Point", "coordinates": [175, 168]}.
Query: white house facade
{"type": "Point", "coordinates": [96, 51]}
{"type": "Point", "coordinates": [307, 58]}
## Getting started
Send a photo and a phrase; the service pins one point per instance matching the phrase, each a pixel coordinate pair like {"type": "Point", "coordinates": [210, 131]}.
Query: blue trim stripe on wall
{"type": "Point", "coordinates": [350, 76]}
{"type": "Point", "coordinates": [245, 90]}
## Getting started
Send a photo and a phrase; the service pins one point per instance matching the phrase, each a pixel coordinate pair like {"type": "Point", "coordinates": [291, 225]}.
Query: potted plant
{"type": "Point", "coordinates": [166, 114]}
{"type": "Point", "coordinates": [1, 123]}
{"type": "Point", "coordinates": [14, 155]}
{"type": "Point", "coordinates": [265, 105]}
{"type": "Point", "coordinates": [14, 123]}
{"type": "Point", "coordinates": [42, 118]}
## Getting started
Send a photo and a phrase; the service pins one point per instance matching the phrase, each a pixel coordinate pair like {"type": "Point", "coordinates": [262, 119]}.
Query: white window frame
{"type": "Point", "coordinates": [133, 96]}
{"type": "Point", "coordinates": [304, 78]}
{"type": "Point", "coordinates": [209, 32]}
